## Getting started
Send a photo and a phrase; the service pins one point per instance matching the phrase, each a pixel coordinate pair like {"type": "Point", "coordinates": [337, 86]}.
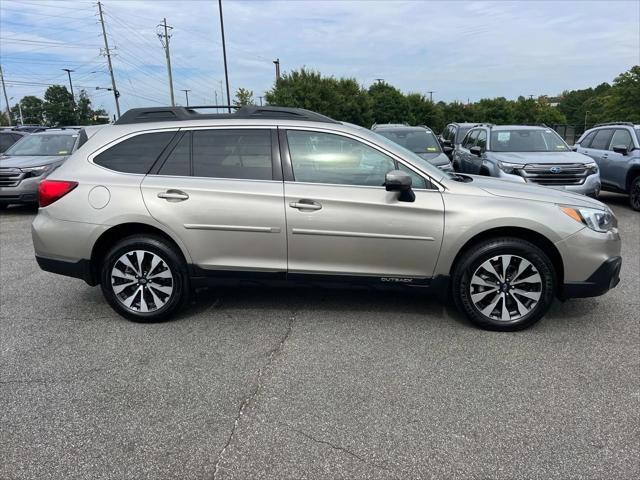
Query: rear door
{"type": "Point", "coordinates": [341, 222]}
{"type": "Point", "coordinates": [220, 191]}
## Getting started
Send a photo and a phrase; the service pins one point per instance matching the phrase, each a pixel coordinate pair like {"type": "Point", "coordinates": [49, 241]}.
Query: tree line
{"type": "Point", "coordinates": [346, 100]}
{"type": "Point", "coordinates": [58, 108]}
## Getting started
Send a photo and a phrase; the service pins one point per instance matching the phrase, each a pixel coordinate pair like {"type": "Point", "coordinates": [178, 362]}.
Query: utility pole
{"type": "Point", "coordinates": [276, 62]}
{"type": "Point", "coordinates": [215, 93]}
{"type": "Point", "coordinates": [20, 112]}
{"type": "Point", "coordinates": [379, 80]}
{"type": "Point", "coordinates": [116, 94]}
{"type": "Point", "coordinates": [165, 44]}
{"type": "Point", "coordinates": [431, 92]}
{"type": "Point", "coordinates": [186, 94]}
{"type": "Point", "coordinates": [6, 99]}
{"type": "Point", "coordinates": [70, 84]}
{"type": "Point", "coordinates": [224, 54]}
{"type": "Point", "coordinates": [260, 100]}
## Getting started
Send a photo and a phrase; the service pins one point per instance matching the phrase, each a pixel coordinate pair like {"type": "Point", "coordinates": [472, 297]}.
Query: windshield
{"type": "Point", "coordinates": [43, 145]}
{"type": "Point", "coordinates": [527, 141]}
{"type": "Point", "coordinates": [424, 164]}
{"type": "Point", "coordinates": [418, 141]}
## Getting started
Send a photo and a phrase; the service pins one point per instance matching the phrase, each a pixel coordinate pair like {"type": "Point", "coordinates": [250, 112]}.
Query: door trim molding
{"type": "Point", "coordinates": [231, 228]}
{"type": "Point", "coordinates": [337, 233]}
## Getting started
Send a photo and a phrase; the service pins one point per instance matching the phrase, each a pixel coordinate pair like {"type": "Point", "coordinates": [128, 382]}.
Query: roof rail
{"type": "Point", "coordinates": [171, 114]}
{"type": "Point", "coordinates": [613, 123]}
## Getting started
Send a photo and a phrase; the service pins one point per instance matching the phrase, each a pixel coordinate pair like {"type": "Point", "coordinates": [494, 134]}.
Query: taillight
{"type": "Point", "coordinates": [50, 191]}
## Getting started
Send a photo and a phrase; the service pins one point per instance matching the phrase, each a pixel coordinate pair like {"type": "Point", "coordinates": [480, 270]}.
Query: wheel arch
{"type": "Point", "coordinates": [109, 237]}
{"type": "Point", "coordinates": [526, 234]}
{"type": "Point", "coordinates": [633, 172]}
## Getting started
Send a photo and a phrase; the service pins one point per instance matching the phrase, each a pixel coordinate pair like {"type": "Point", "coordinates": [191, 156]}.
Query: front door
{"type": "Point", "coordinates": [342, 222]}
{"type": "Point", "coordinates": [219, 191]}
{"type": "Point", "coordinates": [613, 165]}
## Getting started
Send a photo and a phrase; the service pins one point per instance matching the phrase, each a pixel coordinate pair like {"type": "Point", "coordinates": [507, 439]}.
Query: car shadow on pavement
{"type": "Point", "coordinates": [19, 210]}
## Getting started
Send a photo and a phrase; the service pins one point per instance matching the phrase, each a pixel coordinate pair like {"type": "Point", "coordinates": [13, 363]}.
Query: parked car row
{"type": "Point", "coordinates": [168, 199]}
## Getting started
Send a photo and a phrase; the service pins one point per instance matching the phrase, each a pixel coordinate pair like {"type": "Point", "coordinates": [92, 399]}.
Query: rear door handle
{"type": "Point", "coordinates": [305, 205]}
{"type": "Point", "coordinates": [173, 195]}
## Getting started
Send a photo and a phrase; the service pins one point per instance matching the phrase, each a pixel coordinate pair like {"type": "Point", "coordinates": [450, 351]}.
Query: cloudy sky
{"type": "Point", "coordinates": [461, 50]}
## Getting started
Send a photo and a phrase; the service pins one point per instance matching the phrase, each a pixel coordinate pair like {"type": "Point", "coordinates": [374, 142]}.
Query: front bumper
{"type": "Point", "coordinates": [26, 192]}
{"type": "Point", "coordinates": [606, 277]}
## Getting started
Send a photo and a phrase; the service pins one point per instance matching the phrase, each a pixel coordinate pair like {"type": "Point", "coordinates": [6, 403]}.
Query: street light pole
{"type": "Point", "coordinates": [6, 99]}
{"type": "Point", "coordinates": [70, 83]}
{"type": "Point", "coordinates": [276, 62]}
{"type": "Point", "coordinates": [585, 119]}
{"type": "Point", "coordinates": [431, 92]}
{"type": "Point", "coordinates": [186, 94]}
{"type": "Point", "coordinates": [224, 55]}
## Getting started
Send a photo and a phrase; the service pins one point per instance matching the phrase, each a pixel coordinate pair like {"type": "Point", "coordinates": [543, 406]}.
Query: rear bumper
{"type": "Point", "coordinates": [80, 269]}
{"type": "Point", "coordinates": [606, 277]}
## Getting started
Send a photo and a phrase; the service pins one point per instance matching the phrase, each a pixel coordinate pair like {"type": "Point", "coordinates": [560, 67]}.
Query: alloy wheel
{"type": "Point", "coordinates": [142, 281]}
{"type": "Point", "coordinates": [505, 288]}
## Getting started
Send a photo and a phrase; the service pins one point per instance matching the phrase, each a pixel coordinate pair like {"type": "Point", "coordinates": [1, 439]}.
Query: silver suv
{"type": "Point", "coordinates": [169, 199]}
{"type": "Point", "coordinates": [531, 154]}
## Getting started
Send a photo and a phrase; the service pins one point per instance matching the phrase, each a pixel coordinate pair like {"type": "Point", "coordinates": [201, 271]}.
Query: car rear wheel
{"type": "Point", "coordinates": [144, 278]}
{"type": "Point", "coordinates": [634, 194]}
{"type": "Point", "coordinates": [504, 284]}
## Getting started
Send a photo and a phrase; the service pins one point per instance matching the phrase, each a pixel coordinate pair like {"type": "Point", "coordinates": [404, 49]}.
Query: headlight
{"type": "Point", "coordinates": [36, 171]}
{"type": "Point", "coordinates": [512, 168]}
{"type": "Point", "coordinates": [598, 220]}
{"type": "Point", "coordinates": [592, 167]}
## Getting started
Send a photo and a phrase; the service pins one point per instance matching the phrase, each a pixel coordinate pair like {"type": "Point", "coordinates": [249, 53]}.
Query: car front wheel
{"type": "Point", "coordinates": [144, 278]}
{"type": "Point", "coordinates": [504, 284]}
{"type": "Point", "coordinates": [634, 194]}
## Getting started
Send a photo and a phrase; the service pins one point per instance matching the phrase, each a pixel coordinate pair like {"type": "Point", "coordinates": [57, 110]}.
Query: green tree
{"type": "Point", "coordinates": [388, 104]}
{"type": "Point", "coordinates": [58, 106]}
{"type": "Point", "coordinates": [623, 101]}
{"type": "Point", "coordinates": [32, 110]}
{"type": "Point", "coordinates": [421, 111]}
{"type": "Point", "coordinates": [243, 97]}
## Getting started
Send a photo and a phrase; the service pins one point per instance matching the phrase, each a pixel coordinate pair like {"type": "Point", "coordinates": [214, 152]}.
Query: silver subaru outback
{"type": "Point", "coordinates": [169, 199]}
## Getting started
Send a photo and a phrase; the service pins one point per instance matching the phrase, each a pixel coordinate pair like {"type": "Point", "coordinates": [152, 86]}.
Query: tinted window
{"type": "Point", "coordinates": [327, 158]}
{"type": "Point", "coordinates": [470, 140]}
{"type": "Point", "coordinates": [621, 137]}
{"type": "Point", "coordinates": [601, 140]}
{"type": "Point", "coordinates": [448, 133]}
{"type": "Point", "coordinates": [482, 140]}
{"type": "Point", "coordinates": [538, 140]}
{"type": "Point", "coordinates": [242, 154]}
{"type": "Point", "coordinates": [417, 181]}
{"type": "Point", "coordinates": [179, 160]}
{"type": "Point", "coordinates": [587, 140]}
{"type": "Point", "coordinates": [6, 140]}
{"type": "Point", "coordinates": [136, 154]}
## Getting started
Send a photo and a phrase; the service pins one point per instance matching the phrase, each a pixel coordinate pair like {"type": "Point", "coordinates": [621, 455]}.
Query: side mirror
{"type": "Point", "coordinates": [621, 149]}
{"type": "Point", "coordinates": [399, 181]}
{"type": "Point", "coordinates": [476, 150]}
{"type": "Point", "coordinates": [446, 143]}
{"type": "Point", "coordinates": [447, 149]}
{"type": "Point", "coordinates": [574, 148]}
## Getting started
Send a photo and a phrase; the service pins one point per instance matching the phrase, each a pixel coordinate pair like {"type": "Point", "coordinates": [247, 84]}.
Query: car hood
{"type": "Point", "coordinates": [437, 159]}
{"type": "Point", "coordinates": [21, 161]}
{"type": "Point", "coordinates": [536, 193]}
{"type": "Point", "coordinates": [540, 157]}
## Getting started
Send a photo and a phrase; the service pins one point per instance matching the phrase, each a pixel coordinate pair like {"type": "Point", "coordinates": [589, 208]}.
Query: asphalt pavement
{"type": "Point", "coordinates": [266, 383]}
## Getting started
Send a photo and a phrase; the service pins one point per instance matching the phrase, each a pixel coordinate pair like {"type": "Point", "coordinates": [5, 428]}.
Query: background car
{"type": "Point", "coordinates": [452, 137]}
{"type": "Point", "coordinates": [9, 137]}
{"type": "Point", "coordinates": [419, 140]}
{"type": "Point", "coordinates": [615, 147]}
{"type": "Point", "coordinates": [523, 153]}
{"type": "Point", "coordinates": [27, 161]}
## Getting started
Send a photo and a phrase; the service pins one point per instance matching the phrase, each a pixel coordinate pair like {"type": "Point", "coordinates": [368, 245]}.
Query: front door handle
{"type": "Point", "coordinates": [173, 195]}
{"type": "Point", "coordinates": [305, 205]}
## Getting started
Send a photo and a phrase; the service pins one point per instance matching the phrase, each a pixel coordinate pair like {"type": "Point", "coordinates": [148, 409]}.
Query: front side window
{"type": "Point", "coordinates": [602, 139]}
{"type": "Point", "coordinates": [136, 154]}
{"type": "Point", "coordinates": [329, 158]}
{"type": "Point", "coordinates": [586, 141]}
{"type": "Point", "coordinates": [239, 153]}
{"type": "Point", "coordinates": [47, 144]}
{"type": "Point", "coordinates": [621, 137]}
{"type": "Point", "coordinates": [482, 140]}
{"type": "Point", "coordinates": [417, 181]}
{"type": "Point", "coordinates": [521, 140]}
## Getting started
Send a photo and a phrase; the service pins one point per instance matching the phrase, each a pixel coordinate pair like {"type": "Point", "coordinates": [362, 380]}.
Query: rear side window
{"type": "Point", "coordinates": [601, 140]}
{"type": "Point", "coordinates": [482, 140]}
{"type": "Point", "coordinates": [136, 154]}
{"type": "Point", "coordinates": [243, 154]}
{"type": "Point", "coordinates": [621, 137]}
{"type": "Point", "coordinates": [470, 139]}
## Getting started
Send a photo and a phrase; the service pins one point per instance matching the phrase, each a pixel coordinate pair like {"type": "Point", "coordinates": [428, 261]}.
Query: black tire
{"type": "Point", "coordinates": [179, 282]}
{"type": "Point", "coordinates": [472, 260]}
{"type": "Point", "coordinates": [634, 194]}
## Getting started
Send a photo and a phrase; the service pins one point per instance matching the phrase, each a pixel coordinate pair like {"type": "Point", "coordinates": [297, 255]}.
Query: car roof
{"type": "Point", "coordinates": [406, 128]}
{"type": "Point", "coordinates": [464, 124]}
{"type": "Point", "coordinates": [58, 131]}
{"type": "Point", "coordinates": [517, 127]}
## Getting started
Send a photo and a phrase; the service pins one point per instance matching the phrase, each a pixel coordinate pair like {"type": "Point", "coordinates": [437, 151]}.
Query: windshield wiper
{"type": "Point", "coordinates": [460, 178]}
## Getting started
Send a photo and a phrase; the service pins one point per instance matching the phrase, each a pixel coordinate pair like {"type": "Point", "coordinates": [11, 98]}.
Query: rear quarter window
{"type": "Point", "coordinates": [136, 154]}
